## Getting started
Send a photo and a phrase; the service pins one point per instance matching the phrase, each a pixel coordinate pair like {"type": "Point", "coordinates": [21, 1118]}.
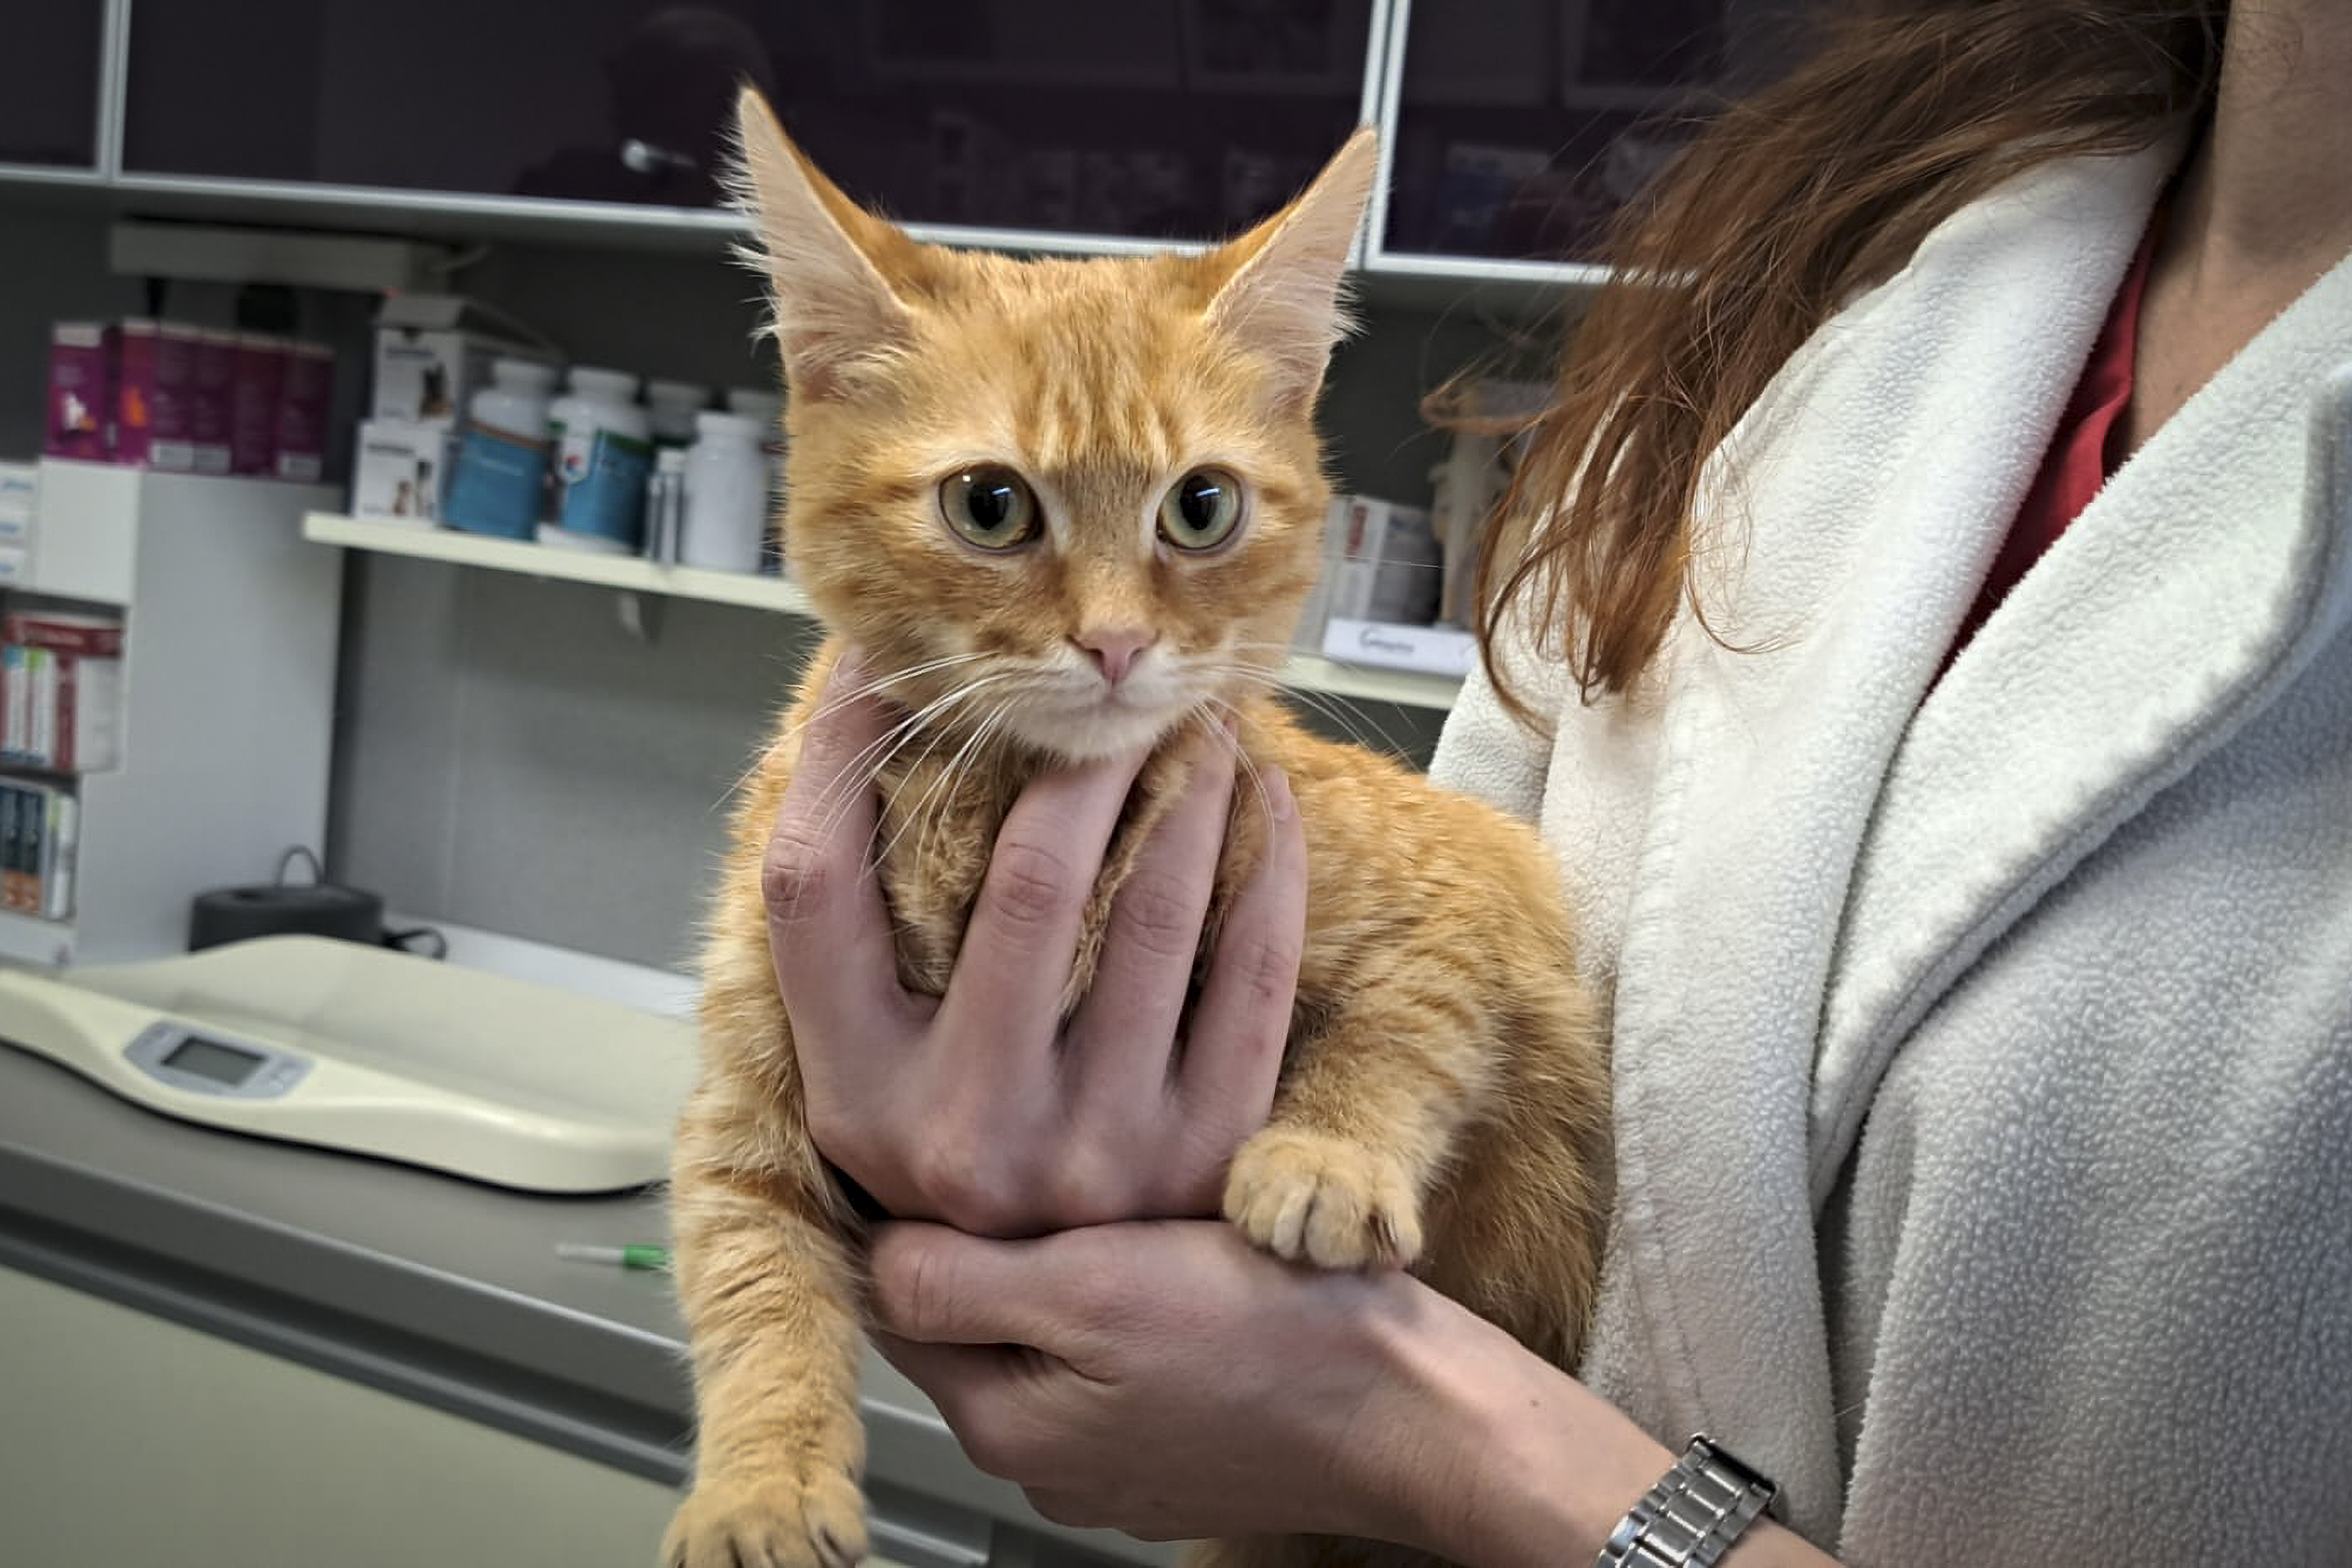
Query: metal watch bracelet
{"type": "Point", "coordinates": [1692, 1516]}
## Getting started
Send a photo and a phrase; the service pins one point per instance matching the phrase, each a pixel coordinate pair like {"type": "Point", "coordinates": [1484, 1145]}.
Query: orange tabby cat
{"type": "Point", "coordinates": [1069, 508]}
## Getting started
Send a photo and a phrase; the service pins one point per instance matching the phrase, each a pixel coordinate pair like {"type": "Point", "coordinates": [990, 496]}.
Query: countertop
{"type": "Point", "coordinates": [434, 1287]}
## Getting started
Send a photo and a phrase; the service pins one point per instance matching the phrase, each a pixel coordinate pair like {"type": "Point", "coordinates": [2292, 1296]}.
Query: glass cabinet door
{"type": "Point", "coordinates": [48, 110]}
{"type": "Point", "coordinates": [1144, 117]}
{"type": "Point", "coordinates": [1522, 126]}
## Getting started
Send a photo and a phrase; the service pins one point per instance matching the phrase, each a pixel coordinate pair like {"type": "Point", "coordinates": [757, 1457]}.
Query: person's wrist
{"type": "Point", "coordinates": [1515, 1461]}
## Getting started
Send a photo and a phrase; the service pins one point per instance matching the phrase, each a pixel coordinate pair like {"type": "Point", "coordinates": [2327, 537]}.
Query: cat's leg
{"type": "Point", "coordinates": [1365, 1120]}
{"type": "Point", "coordinates": [770, 1287]}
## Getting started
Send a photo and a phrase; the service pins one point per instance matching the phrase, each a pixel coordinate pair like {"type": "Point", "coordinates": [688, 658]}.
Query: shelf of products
{"type": "Point", "coordinates": [1305, 672]}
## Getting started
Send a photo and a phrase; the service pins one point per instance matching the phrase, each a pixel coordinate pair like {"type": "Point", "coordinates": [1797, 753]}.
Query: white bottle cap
{"type": "Point", "coordinates": [524, 374]}
{"type": "Point", "coordinates": [765, 406]}
{"type": "Point", "coordinates": [608, 386]}
{"type": "Point", "coordinates": [728, 427]}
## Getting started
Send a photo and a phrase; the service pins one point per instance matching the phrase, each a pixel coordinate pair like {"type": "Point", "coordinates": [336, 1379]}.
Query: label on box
{"type": "Point", "coordinates": [497, 484]}
{"type": "Point", "coordinates": [1426, 650]}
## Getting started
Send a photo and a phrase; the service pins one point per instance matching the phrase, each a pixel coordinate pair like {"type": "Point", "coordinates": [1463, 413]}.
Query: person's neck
{"type": "Point", "coordinates": [2269, 187]}
{"type": "Point", "coordinates": [2263, 206]}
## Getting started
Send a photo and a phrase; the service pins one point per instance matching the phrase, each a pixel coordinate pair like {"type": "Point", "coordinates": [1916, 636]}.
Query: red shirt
{"type": "Point", "coordinates": [2083, 453]}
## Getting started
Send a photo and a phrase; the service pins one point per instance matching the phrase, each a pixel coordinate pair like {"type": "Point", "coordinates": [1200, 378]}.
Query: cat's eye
{"type": "Point", "coordinates": [990, 506]}
{"type": "Point", "coordinates": [1201, 510]}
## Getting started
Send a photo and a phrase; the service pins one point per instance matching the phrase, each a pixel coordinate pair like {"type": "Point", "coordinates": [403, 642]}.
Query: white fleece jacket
{"type": "Point", "coordinates": [1984, 1053]}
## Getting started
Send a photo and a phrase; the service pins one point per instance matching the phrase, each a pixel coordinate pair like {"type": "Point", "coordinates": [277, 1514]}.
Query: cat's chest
{"type": "Point", "coordinates": [938, 831]}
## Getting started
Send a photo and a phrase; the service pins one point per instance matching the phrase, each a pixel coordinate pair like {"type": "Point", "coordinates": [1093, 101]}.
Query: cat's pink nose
{"type": "Point", "coordinates": [1115, 649]}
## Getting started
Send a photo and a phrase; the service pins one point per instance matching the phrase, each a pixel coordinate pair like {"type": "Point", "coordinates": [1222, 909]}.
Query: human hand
{"type": "Point", "coordinates": [980, 1109]}
{"type": "Point", "coordinates": [1171, 1381]}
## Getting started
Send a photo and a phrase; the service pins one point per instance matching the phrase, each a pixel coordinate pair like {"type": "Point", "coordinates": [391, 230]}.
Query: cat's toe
{"type": "Point", "coordinates": [770, 1521]}
{"type": "Point", "coordinates": [1312, 1198]}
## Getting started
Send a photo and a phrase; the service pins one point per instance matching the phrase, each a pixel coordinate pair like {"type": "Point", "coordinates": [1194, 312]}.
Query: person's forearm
{"type": "Point", "coordinates": [1533, 1470]}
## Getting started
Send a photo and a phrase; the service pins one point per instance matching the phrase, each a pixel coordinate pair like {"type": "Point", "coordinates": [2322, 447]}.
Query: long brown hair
{"type": "Point", "coordinates": [1786, 203]}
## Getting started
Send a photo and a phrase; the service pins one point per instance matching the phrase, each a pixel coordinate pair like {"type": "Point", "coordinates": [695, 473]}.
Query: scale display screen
{"type": "Point", "coordinates": [209, 1059]}
{"type": "Point", "coordinates": [212, 1065]}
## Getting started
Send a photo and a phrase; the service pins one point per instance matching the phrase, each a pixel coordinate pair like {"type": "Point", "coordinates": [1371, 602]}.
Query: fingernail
{"type": "Point", "coordinates": [1279, 800]}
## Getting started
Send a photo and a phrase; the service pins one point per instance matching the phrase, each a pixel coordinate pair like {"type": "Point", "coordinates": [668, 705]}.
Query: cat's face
{"type": "Point", "coordinates": [1070, 501]}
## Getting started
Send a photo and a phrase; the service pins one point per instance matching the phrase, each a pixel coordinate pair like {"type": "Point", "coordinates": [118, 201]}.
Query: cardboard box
{"type": "Point", "coordinates": [211, 400]}
{"type": "Point", "coordinates": [304, 393]}
{"type": "Point", "coordinates": [20, 494]}
{"type": "Point", "coordinates": [80, 421]}
{"type": "Point", "coordinates": [1389, 567]}
{"type": "Point", "coordinates": [431, 351]}
{"type": "Point", "coordinates": [400, 470]}
{"type": "Point", "coordinates": [156, 390]}
{"type": "Point", "coordinates": [257, 373]}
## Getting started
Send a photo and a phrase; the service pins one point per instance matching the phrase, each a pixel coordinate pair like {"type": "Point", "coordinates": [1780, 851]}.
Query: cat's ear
{"type": "Point", "coordinates": [824, 257]}
{"type": "Point", "coordinates": [1283, 290]}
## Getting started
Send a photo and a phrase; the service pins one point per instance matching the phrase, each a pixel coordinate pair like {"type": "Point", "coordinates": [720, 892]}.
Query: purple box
{"type": "Point", "coordinates": [81, 392]}
{"type": "Point", "coordinates": [208, 404]}
{"type": "Point", "coordinates": [303, 397]}
{"type": "Point", "coordinates": [257, 371]}
{"type": "Point", "coordinates": [155, 395]}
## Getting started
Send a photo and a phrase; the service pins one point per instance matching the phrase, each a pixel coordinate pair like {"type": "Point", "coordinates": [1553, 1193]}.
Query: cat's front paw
{"type": "Point", "coordinates": [1313, 1198]}
{"type": "Point", "coordinates": [768, 1521]}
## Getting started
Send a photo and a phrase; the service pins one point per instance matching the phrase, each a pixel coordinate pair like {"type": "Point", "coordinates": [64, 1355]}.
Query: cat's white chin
{"type": "Point", "coordinates": [1098, 730]}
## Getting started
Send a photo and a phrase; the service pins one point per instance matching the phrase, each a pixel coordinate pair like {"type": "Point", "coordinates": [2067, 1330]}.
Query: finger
{"type": "Point", "coordinates": [1023, 935]}
{"type": "Point", "coordinates": [983, 1392]}
{"type": "Point", "coordinates": [1124, 1029]}
{"type": "Point", "coordinates": [1233, 1054]}
{"type": "Point", "coordinates": [937, 1286]}
{"type": "Point", "coordinates": [828, 931]}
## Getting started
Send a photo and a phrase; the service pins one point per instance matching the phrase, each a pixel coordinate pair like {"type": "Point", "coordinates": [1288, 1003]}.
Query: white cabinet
{"type": "Point", "coordinates": [229, 686]}
{"type": "Point", "coordinates": [131, 1439]}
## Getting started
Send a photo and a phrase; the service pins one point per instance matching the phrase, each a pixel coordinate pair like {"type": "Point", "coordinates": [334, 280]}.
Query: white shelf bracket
{"type": "Point", "coordinates": [641, 614]}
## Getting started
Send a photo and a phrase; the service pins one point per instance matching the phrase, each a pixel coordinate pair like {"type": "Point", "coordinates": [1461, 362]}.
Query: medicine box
{"type": "Point", "coordinates": [155, 369]}
{"type": "Point", "coordinates": [400, 470]}
{"type": "Point", "coordinates": [1389, 566]}
{"type": "Point", "coordinates": [20, 490]}
{"type": "Point", "coordinates": [431, 351]}
{"type": "Point", "coordinates": [80, 421]}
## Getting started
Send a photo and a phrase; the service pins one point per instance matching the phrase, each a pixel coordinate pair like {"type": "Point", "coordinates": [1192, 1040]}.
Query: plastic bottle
{"type": "Point", "coordinates": [767, 409]}
{"type": "Point", "coordinates": [495, 486]}
{"type": "Point", "coordinates": [665, 505]}
{"type": "Point", "coordinates": [673, 406]}
{"type": "Point", "coordinates": [726, 494]}
{"type": "Point", "coordinates": [603, 453]}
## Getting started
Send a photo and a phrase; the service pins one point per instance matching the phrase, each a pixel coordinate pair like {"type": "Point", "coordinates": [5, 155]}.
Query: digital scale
{"type": "Point", "coordinates": [311, 1040]}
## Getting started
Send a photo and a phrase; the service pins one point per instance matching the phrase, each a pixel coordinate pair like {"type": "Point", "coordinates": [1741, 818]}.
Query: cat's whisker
{"type": "Point", "coordinates": [786, 733]}
{"type": "Point", "coordinates": [1208, 708]}
{"type": "Point", "coordinates": [1359, 727]}
{"type": "Point", "coordinates": [833, 704]}
{"type": "Point", "coordinates": [915, 817]}
{"type": "Point", "coordinates": [1354, 722]}
{"type": "Point", "coordinates": [894, 743]}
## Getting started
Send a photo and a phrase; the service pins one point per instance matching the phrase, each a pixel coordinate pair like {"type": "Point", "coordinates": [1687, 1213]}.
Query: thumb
{"type": "Point", "coordinates": [936, 1285]}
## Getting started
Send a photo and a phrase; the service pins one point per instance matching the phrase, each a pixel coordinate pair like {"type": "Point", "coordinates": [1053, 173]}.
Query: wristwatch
{"type": "Point", "coordinates": [1692, 1516]}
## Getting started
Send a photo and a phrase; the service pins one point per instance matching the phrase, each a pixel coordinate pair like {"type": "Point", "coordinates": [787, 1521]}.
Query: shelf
{"type": "Point", "coordinates": [536, 560]}
{"type": "Point", "coordinates": [1307, 672]}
